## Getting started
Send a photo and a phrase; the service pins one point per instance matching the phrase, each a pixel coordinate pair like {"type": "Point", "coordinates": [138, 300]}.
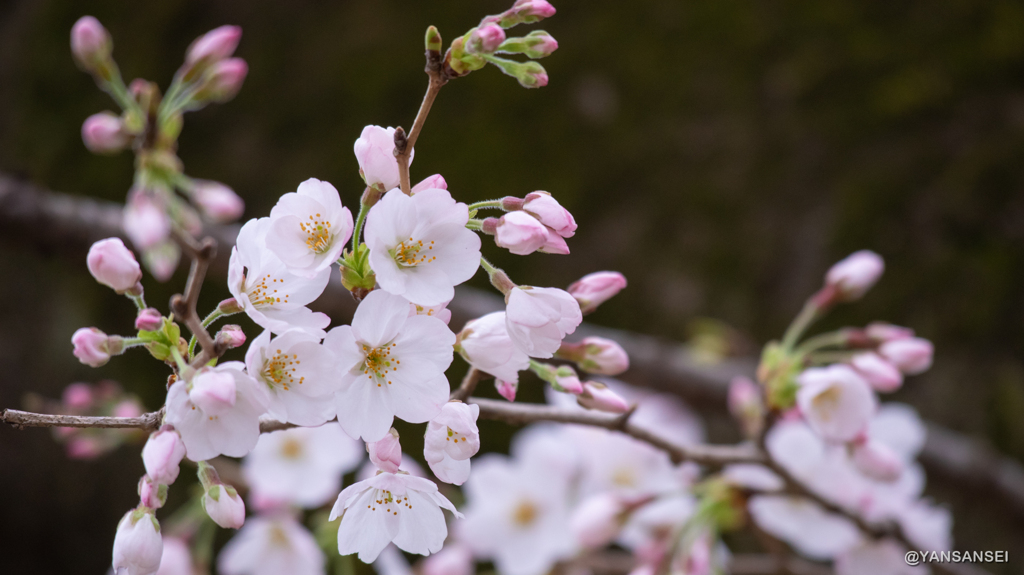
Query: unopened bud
{"type": "Point", "coordinates": [854, 276]}
{"type": "Point", "coordinates": [162, 455]}
{"type": "Point", "coordinates": [746, 405]}
{"type": "Point", "coordinates": [218, 202]}
{"type": "Point", "coordinates": [386, 454]}
{"type": "Point", "coordinates": [525, 12]}
{"type": "Point", "coordinates": [596, 355]}
{"type": "Point", "coordinates": [597, 520]}
{"type": "Point", "coordinates": [881, 374]}
{"type": "Point", "coordinates": [229, 306]}
{"type": "Point", "coordinates": [215, 45]}
{"type": "Point", "coordinates": [507, 389]}
{"type": "Point", "coordinates": [224, 506]}
{"type": "Point", "coordinates": [881, 332]}
{"type": "Point", "coordinates": [223, 80]}
{"type": "Point", "coordinates": [565, 379]}
{"type": "Point", "coordinates": [104, 133]}
{"type": "Point", "coordinates": [485, 39]}
{"type": "Point", "coordinates": [230, 336]}
{"type": "Point", "coordinates": [148, 319]}
{"type": "Point", "coordinates": [536, 44]}
{"type": "Point", "coordinates": [432, 40]}
{"type": "Point", "coordinates": [518, 232]}
{"type": "Point", "coordinates": [137, 544]}
{"type": "Point", "coordinates": [94, 348]}
{"type": "Point", "coordinates": [152, 494]}
{"type": "Point", "coordinates": [546, 208]}
{"type": "Point", "coordinates": [911, 356]}
{"type": "Point", "coordinates": [145, 221]}
{"type": "Point", "coordinates": [598, 396]}
{"type": "Point", "coordinates": [113, 265]}
{"type": "Point", "coordinates": [877, 460]}
{"type": "Point", "coordinates": [162, 259]}
{"type": "Point", "coordinates": [90, 43]}
{"type": "Point", "coordinates": [435, 182]}
{"type": "Point", "coordinates": [594, 289]}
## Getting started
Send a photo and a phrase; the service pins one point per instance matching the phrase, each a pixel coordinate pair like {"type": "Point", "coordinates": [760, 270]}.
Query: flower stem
{"type": "Point", "coordinates": [803, 320]}
{"type": "Point", "coordinates": [476, 225]}
{"type": "Point", "coordinates": [209, 319]}
{"type": "Point", "coordinates": [829, 339]}
{"type": "Point", "coordinates": [496, 204]}
{"type": "Point", "coordinates": [138, 300]}
{"type": "Point", "coordinates": [358, 229]}
{"type": "Point", "coordinates": [499, 279]}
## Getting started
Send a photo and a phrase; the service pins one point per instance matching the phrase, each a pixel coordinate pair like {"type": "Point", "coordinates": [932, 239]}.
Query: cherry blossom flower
{"type": "Point", "coordinates": [876, 558]}
{"type": "Point", "coordinates": [137, 544]}
{"type": "Point", "coordinates": [594, 289]}
{"type": "Point", "coordinates": [218, 202]}
{"type": "Point", "coordinates": [454, 559]}
{"type": "Point", "coordinates": [549, 212]}
{"type": "Point", "coordinates": [429, 183]}
{"type": "Point", "coordinates": [162, 454]}
{"type": "Point", "coordinates": [375, 152]}
{"type": "Point", "coordinates": [272, 545]}
{"type": "Point", "coordinates": [309, 228]}
{"type": "Point", "coordinates": [451, 439]}
{"type": "Point", "coordinates": [516, 515]}
{"type": "Point", "coordinates": [269, 294]}
{"type": "Point", "coordinates": [298, 372]}
{"type": "Point", "coordinates": [597, 520]}
{"type": "Point", "coordinates": [389, 507]}
{"type": "Point", "coordinates": [391, 364]}
{"type": "Point", "coordinates": [517, 232]}
{"type": "Point", "coordinates": [803, 524]}
{"type": "Point", "coordinates": [836, 401]}
{"type": "Point", "coordinates": [538, 318]}
{"type": "Point", "coordinates": [419, 245]}
{"type": "Point", "coordinates": [302, 466]}
{"type": "Point", "coordinates": [877, 460]}
{"type": "Point", "coordinates": [855, 275]}
{"type": "Point", "coordinates": [485, 344]}
{"type": "Point", "coordinates": [439, 311]}
{"type": "Point", "coordinates": [218, 412]}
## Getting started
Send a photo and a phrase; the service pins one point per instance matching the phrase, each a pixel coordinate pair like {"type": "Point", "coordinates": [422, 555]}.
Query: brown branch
{"type": "Point", "coordinates": [468, 386]}
{"type": "Point", "coordinates": [21, 419]}
{"type": "Point", "coordinates": [184, 305]}
{"type": "Point", "coordinates": [404, 144]}
{"type": "Point", "coordinates": [523, 413]}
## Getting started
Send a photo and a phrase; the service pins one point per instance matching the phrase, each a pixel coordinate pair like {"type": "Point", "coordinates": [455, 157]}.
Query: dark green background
{"type": "Point", "coordinates": [721, 154]}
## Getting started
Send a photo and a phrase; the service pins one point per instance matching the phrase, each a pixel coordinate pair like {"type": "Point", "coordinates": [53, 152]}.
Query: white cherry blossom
{"type": "Point", "coordinates": [302, 466]}
{"type": "Point", "coordinates": [538, 318]}
{"type": "Point", "coordinates": [803, 524]}
{"type": "Point", "coordinates": [299, 374]}
{"type": "Point", "coordinates": [309, 228]}
{"type": "Point", "coordinates": [272, 545]}
{"type": "Point", "coordinates": [391, 365]}
{"type": "Point", "coordinates": [451, 439]}
{"type": "Point", "coordinates": [837, 402]}
{"type": "Point", "coordinates": [484, 343]}
{"type": "Point", "coordinates": [390, 507]}
{"type": "Point", "coordinates": [419, 245]}
{"type": "Point", "coordinates": [270, 295]}
{"type": "Point", "coordinates": [218, 412]}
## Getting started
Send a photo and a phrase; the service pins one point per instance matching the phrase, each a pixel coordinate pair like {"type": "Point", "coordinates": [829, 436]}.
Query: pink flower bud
{"type": "Point", "coordinates": [162, 259]}
{"type": "Point", "coordinates": [597, 520]}
{"type": "Point", "coordinates": [148, 319]}
{"type": "Point", "coordinates": [137, 544]}
{"type": "Point", "coordinates": [598, 397]}
{"type": "Point", "coordinates": [386, 454]}
{"type": "Point", "coordinates": [517, 232]}
{"type": "Point", "coordinates": [104, 133]}
{"type": "Point", "coordinates": [881, 332]}
{"type": "Point", "coordinates": [453, 559]}
{"type": "Point", "coordinates": [213, 392]}
{"type": "Point", "coordinates": [435, 182]}
{"type": "Point", "coordinates": [224, 506]}
{"type": "Point", "coordinates": [224, 80]}
{"type": "Point", "coordinates": [528, 11]}
{"type": "Point", "coordinates": [375, 152]}
{"type": "Point", "coordinates": [229, 306]}
{"type": "Point", "coordinates": [90, 42]}
{"type": "Point", "coordinates": [601, 356]}
{"type": "Point", "coordinates": [746, 405]}
{"type": "Point", "coordinates": [506, 389]}
{"type": "Point", "coordinates": [882, 375]}
{"type": "Point", "coordinates": [877, 460]}
{"type": "Point", "coordinates": [77, 397]}
{"type": "Point", "coordinates": [145, 220]}
{"type": "Point", "coordinates": [231, 336]}
{"type": "Point", "coordinates": [162, 454]}
{"type": "Point", "coordinates": [215, 45]}
{"type": "Point", "coordinates": [113, 265]}
{"type": "Point", "coordinates": [594, 289]}
{"type": "Point", "coordinates": [911, 356]}
{"type": "Point", "coordinates": [485, 39]}
{"type": "Point", "coordinates": [565, 377]}
{"type": "Point", "coordinates": [218, 202]}
{"type": "Point", "coordinates": [91, 346]}
{"type": "Point", "coordinates": [150, 493]}
{"type": "Point", "coordinates": [855, 275]}
{"type": "Point", "coordinates": [540, 44]}
{"type": "Point", "coordinates": [553, 243]}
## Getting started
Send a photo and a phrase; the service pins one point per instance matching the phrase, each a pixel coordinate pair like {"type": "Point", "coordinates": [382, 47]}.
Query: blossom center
{"type": "Point", "coordinates": [387, 502]}
{"type": "Point", "coordinates": [318, 234]}
{"type": "Point", "coordinates": [411, 253]}
{"type": "Point", "coordinates": [624, 477]}
{"type": "Point", "coordinates": [262, 293]}
{"type": "Point", "coordinates": [454, 436]}
{"type": "Point", "coordinates": [379, 363]}
{"type": "Point", "coordinates": [291, 449]}
{"type": "Point", "coordinates": [826, 402]}
{"type": "Point", "coordinates": [279, 371]}
{"type": "Point", "coordinates": [524, 514]}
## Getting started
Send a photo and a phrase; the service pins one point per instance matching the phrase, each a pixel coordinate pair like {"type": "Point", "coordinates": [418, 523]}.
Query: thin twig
{"type": "Point", "coordinates": [468, 386]}
{"type": "Point", "coordinates": [405, 143]}
{"type": "Point", "coordinates": [184, 305]}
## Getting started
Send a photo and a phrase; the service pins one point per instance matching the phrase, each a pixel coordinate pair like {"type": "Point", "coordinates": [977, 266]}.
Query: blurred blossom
{"type": "Point", "coordinates": [272, 545]}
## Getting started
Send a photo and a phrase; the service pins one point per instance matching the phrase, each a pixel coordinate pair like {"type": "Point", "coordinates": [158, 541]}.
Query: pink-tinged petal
{"type": "Point", "coordinates": [422, 528]}
{"type": "Point", "coordinates": [366, 529]}
{"type": "Point", "coordinates": [364, 409]}
{"type": "Point", "coordinates": [342, 343]}
{"type": "Point", "coordinates": [379, 318]}
{"type": "Point", "coordinates": [449, 470]}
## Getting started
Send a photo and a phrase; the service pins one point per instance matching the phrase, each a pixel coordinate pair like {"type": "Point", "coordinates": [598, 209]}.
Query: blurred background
{"type": "Point", "coordinates": [720, 154]}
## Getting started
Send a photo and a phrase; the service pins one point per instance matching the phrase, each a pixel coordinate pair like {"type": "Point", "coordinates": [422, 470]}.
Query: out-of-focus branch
{"type": "Point", "coordinates": [473, 377]}
{"type": "Point", "coordinates": [68, 225]}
